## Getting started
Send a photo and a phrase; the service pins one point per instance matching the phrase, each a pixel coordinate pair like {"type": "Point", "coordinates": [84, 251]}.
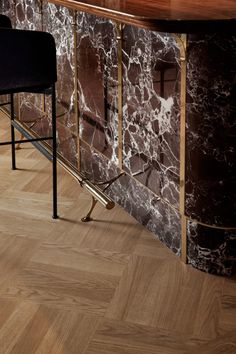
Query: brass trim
{"type": "Point", "coordinates": [184, 239]}
{"type": "Point", "coordinates": [119, 37]}
{"type": "Point", "coordinates": [76, 96]}
{"type": "Point", "coordinates": [182, 41]}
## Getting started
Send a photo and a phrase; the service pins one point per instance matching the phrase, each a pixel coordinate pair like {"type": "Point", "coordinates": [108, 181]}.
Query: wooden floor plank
{"type": "Point", "coordinates": [88, 260]}
{"type": "Point", "coordinates": [102, 287]}
{"type": "Point", "coordinates": [120, 337]}
{"type": "Point", "coordinates": [15, 253]}
{"type": "Point", "coordinates": [167, 294]}
{"type": "Point", "coordinates": [66, 288]}
{"type": "Point", "coordinates": [15, 326]}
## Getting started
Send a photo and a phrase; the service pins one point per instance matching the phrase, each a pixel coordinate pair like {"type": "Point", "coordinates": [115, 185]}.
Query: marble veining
{"type": "Point", "coordinates": [135, 198]}
{"type": "Point", "coordinates": [59, 20]}
{"type": "Point", "coordinates": [212, 250]}
{"type": "Point", "coordinates": [151, 75]}
{"type": "Point", "coordinates": [211, 130]}
{"type": "Point", "coordinates": [7, 8]}
{"type": "Point", "coordinates": [97, 83]}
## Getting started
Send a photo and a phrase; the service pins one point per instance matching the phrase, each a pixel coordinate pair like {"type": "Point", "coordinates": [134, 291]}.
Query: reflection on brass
{"type": "Point", "coordinates": [119, 30]}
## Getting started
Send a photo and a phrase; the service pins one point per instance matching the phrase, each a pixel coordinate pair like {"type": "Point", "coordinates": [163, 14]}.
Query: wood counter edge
{"type": "Point", "coordinates": [154, 24]}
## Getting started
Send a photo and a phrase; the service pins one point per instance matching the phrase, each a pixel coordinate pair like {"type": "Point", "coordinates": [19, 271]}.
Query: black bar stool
{"type": "Point", "coordinates": [28, 64]}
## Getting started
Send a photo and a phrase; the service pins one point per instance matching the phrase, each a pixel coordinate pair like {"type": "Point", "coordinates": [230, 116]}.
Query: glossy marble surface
{"type": "Point", "coordinates": [97, 83]}
{"type": "Point", "coordinates": [135, 198]}
{"type": "Point", "coordinates": [151, 119]}
{"type": "Point", "coordinates": [212, 250]}
{"type": "Point", "coordinates": [59, 22]}
{"type": "Point", "coordinates": [211, 130]}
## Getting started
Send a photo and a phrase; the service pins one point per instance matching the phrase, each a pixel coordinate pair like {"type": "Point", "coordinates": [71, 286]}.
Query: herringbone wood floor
{"type": "Point", "coordinates": [106, 287]}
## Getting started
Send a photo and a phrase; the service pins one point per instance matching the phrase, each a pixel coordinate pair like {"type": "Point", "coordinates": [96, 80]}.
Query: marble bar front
{"type": "Point", "coordinates": [149, 89]}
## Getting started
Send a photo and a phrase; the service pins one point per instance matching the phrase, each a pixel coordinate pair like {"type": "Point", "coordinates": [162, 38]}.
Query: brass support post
{"type": "Point", "coordinates": [76, 97]}
{"type": "Point", "coordinates": [88, 218]}
{"type": "Point", "coordinates": [119, 29]}
{"type": "Point", "coordinates": [182, 40]}
{"type": "Point", "coordinates": [184, 246]}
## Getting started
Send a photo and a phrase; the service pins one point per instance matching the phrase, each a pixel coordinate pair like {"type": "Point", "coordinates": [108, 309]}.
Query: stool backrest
{"type": "Point", "coordinates": [27, 61]}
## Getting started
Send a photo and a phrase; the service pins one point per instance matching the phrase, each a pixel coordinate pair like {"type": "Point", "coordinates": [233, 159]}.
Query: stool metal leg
{"type": "Point", "coordinates": [13, 152]}
{"type": "Point", "coordinates": [54, 153]}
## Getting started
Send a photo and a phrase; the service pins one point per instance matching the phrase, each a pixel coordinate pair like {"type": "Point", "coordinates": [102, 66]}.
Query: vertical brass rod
{"type": "Point", "coordinates": [183, 121]}
{"type": "Point", "coordinates": [184, 239]}
{"type": "Point", "coordinates": [183, 46]}
{"type": "Point", "coordinates": [119, 37]}
{"type": "Point", "coordinates": [76, 97]}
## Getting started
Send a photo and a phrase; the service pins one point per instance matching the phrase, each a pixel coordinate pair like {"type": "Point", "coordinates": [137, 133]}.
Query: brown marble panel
{"type": "Point", "coordinates": [212, 250]}
{"type": "Point", "coordinates": [151, 110]}
{"type": "Point", "coordinates": [136, 199]}
{"type": "Point", "coordinates": [7, 8]}
{"type": "Point", "coordinates": [59, 21]}
{"type": "Point", "coordinates": [97, 83]}
{"type": "Point", "coordinates": [211, 130]}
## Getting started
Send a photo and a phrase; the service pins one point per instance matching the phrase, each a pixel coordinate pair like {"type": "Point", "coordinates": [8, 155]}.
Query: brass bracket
{"type": "Point", "coordinates": [88, 218]}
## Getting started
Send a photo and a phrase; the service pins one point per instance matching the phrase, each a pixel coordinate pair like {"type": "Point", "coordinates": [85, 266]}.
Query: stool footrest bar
{"type": "Point", "coordinates": [24, 141]}
{"type": "Point", "coordinates": [34, 140]}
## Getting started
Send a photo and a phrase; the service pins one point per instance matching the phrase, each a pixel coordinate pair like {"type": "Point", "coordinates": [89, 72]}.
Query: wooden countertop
{"type": "Point", "coordinates": [181, 16]}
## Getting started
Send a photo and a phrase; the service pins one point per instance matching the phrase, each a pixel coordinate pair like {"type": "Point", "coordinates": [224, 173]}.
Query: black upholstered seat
{"type": "Point", "coordinates": [5, 21]}
{"type": "Point", "coordinates": [28, 64]}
